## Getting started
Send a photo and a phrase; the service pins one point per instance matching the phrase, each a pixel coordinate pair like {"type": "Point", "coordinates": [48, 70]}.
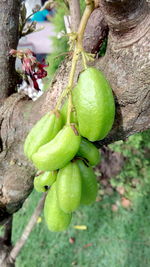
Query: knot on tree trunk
{"type": "Point", "coordinates": [123, 15]}
{"type": "Point", "coordinates": [96, 31]}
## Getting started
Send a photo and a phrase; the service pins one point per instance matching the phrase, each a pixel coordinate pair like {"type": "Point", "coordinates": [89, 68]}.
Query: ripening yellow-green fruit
{"type": "Point", "coordinates": [42, 132]}
{"type": "Point", "coordinates": [94, 103]}
{"type": "Point", "coordinates": [69, 187]}
{"type": "Point", "coordinates": [89, 184]}
{"type": "Point", "coordinates": [89, 151]}
{"type": "Point", "coordinates": [59, 151]}
{"type": "Point", "coordinates": [44, 180]}
{"type": "Point", "coordinates": [56, 219]}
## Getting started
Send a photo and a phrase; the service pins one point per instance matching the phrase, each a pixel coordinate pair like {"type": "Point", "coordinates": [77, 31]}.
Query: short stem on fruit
{"type": "Point", "coordinates": [70, 82]}
{"type": "Point", "coordinates": [88, 10]}
{"type": "Point", "coordinates": [84, 60]}
{"type": "Point", "coordinates": [77, 51]}
{"type": "Point", "coordinates": [76, 54]}
{"type": "Point", "coordinates": [71, 78]}
{"type": "Point", "coordinates": [69, 109]}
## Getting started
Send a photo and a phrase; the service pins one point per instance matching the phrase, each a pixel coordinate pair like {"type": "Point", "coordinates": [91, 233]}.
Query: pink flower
{"type": "Point", "coordinates": [31, 67]}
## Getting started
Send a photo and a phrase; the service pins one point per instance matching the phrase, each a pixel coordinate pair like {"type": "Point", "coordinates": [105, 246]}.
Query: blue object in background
{"type": "Point", "coordinates": [41, 15]}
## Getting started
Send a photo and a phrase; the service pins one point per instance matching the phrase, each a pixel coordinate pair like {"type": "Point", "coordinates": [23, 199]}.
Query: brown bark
{"type": "Point", "coordinates": [125, 65]}
{"type": "Point", "coordinates": [96, 31]}
{"type": "Point", "coordinates": [123, 15]}
{"type": "Point", "coordinates": [9, 20]}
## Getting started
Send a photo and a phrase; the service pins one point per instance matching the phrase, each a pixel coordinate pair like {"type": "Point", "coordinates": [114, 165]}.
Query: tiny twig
{"type": "Point", "coordinates": [21, 242]}
{"type": "Point", "coordinates": [78, 49]}
{"type": "Point", "coordinates": [84, 60]}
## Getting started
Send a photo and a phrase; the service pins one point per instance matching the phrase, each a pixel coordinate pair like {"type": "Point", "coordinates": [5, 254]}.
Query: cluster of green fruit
{"type": "Point", "coordinates": [65, 152]}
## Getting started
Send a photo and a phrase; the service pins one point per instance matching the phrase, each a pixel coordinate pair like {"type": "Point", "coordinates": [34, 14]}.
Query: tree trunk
{"type": "Point", "coordinates": [126, 66]}
{"type": "Point", "coordinates": [9, 19]}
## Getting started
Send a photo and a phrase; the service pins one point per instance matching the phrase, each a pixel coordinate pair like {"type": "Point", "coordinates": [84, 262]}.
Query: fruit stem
{"type": "Point", "coordinates": [88, 10]}
{"type": "Point", "coordinates": [77, 51]}
{"type": "Point", "coordinates": [69, 109]}
{"type": "Point", "coordinates": [84, 60]}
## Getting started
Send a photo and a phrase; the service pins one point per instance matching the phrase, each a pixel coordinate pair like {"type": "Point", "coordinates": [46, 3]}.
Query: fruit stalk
{"type": "Point", "coordinates": [88, 10]}
{"type": "Point", "coordinates": [77, 51]}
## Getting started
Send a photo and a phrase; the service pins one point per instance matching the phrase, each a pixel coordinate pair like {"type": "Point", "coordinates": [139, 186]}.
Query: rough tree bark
{"type": "Point", "coordinates": [96, 31]}
{"type": "Point", "coordinates": [9, 14]}
{"type": "Point", "coordinates": [127, 67]}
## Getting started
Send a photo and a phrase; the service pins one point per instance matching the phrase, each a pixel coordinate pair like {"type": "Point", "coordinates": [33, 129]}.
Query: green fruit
{"type": "Point", "coordinates": [42, 132]}
{"type": "Point", "coordinates": [69, 187]}
{"type": "Point", "coordinates": [56, 219]}
{"type": "Point", "coordinates": [94, 103]}
{"type": "Point", "coordinates": [43, 180]}
{"type": "Point", "coordinates": [59, 151]}
{"type": "Point", "coordinates": [63, 112]}
{"type": "Point", "coordinates": [89, 184]}
{"type": "Point", "coordinates": [88, 151]}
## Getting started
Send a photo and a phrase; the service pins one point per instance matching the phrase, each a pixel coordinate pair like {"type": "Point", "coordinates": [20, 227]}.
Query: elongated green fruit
{"type": "Point", "coordinates": [56, 219]}
{"type": "Point", "coordinates": [59, 151]}
{"type": "Point", "coordinates": [89, 151]}
{"type": "Point", "coordinates": [69, 187]}
{"type": "Point", "coordinates": [42, 132]}
{"type": "Point", "coordinates": [63, 112]}
{"type": "Point", "coordinates": [94, 103]}
{"type": "Point", "coordinates": [43, 180]}
{"type": "Point", "coordinates": [89, 184]}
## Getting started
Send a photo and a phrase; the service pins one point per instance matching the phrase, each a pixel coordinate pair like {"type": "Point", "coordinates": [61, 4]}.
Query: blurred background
{"type": "Point", "coordinates": [48, 42]}
{"type": "Point", "coordinates": [39, 42]}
